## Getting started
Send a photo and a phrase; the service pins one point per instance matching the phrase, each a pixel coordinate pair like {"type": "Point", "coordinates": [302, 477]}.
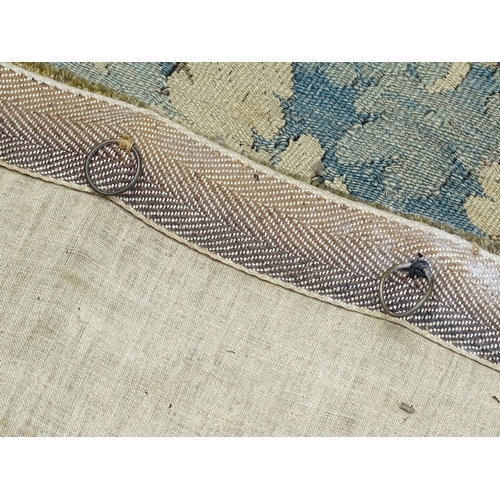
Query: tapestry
{"type": "Point", "coordinates": [418, 139]}
{"type": "Point", "coordinates": [183, 263]}
{"type": "Point", "coordinates": [246, 214]}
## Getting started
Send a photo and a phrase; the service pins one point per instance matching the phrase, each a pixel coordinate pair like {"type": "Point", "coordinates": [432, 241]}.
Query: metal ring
{"type": "Point", "coordinates": [426, 272]}
{"type": "Point", "coordinates": [118, 191]}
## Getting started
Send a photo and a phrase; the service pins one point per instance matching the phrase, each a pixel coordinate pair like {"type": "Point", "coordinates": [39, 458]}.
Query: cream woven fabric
{"type": "Point", "coordinates": [109, 327]}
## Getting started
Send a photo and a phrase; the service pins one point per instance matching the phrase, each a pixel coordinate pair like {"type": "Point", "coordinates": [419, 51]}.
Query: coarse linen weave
{"type": "Point", "coordinates": [111, 328]}
{"type": "Point", "coordinates": [218, 297]}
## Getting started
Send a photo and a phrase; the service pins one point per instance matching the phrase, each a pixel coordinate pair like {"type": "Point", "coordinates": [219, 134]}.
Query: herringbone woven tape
{"type": "Point", "coordinates": [247, 214]}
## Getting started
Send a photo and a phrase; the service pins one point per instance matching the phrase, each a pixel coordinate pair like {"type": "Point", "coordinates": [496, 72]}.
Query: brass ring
{"type": "Point", "coordinates": [118, 191]}
{"type": "Point", "coordinates": [417, 267]}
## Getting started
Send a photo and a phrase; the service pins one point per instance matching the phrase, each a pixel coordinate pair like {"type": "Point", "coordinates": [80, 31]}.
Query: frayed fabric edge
{"type": "Point", "coordinates": [69, 79]}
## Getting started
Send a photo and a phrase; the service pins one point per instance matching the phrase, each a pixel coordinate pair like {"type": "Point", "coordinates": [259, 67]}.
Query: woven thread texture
{"type": "Point", "coordinates": [417, 138]}
{"type": "Point", "coordinates": [246, 214]}
{"type": "Point", "coordinates": [110, 328]}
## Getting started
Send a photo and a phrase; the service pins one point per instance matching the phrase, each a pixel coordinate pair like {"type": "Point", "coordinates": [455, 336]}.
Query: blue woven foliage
{"type": "Point", "coordinates": [413, 137]}
{"type": "Point", "coordinates": [390, 139]}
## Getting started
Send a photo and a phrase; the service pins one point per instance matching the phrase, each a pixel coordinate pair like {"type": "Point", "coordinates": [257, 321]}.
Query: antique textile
{"type": "Point", "coordinates": [419, 139]}
{"type": "Point", "coordinates": [218, 296]}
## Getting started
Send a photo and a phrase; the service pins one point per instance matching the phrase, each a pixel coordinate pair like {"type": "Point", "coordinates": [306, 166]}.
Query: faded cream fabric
{"type": "Point", "coordinates": [232, 101]}
{"type": "Point", "coordinates": [110, 328]}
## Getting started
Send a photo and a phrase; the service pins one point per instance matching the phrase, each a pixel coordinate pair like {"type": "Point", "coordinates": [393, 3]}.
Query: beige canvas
{"type": "Point", "coordinates": [109, 327]}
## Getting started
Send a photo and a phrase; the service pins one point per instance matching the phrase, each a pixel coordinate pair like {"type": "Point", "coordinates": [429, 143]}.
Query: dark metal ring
{"type": "Point", "coordinates": [118, 191]}
{"type": "Point", "coordinates": [423, 270]}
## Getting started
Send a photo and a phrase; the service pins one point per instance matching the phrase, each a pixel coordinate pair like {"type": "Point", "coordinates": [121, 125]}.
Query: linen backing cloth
{"type": "Point", "coordinates": [217, 297]}
{"type": "Point", "coordinates": [111, 328]}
